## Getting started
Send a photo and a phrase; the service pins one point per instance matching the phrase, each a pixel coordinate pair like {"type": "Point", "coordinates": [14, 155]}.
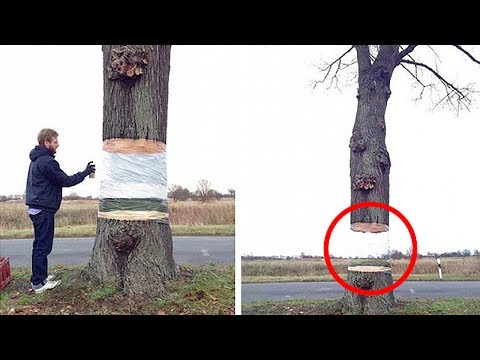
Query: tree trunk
{"type": "Point", "coordinates": [369, 173]}
{"type": "Point", "coordinates": [134, 254]}
{"type": "Point", "coordinates": [369, 305]}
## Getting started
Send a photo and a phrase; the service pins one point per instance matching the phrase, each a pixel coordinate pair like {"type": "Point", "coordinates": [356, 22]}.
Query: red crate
{"type": "Point", "coordinates": [5, 276]}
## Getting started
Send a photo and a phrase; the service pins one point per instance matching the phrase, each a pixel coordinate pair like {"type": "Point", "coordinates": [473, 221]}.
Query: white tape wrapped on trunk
{"type": "Point", "coordinates": [134, 176]}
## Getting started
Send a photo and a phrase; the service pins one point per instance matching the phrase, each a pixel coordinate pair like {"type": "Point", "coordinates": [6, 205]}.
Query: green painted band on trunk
{"type": "Point", "coordinates": [108, 204]}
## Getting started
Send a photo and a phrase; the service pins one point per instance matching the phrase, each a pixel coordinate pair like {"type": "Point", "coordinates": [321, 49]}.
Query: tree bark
{"type": "Point", "coordinates": [369, 305]}
{"type": "Point", "coordinates": [137, 255]}
{"type": "Point", "coordinates": [370, 169]}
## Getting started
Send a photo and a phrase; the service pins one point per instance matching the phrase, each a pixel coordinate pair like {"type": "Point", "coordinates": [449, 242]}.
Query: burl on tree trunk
{"type": "Point", "coordinates": [136, 255]}
{"type": "Point", "coordinates": [369, 173]}
{"type": "Point", "coordinates": [369, 305]}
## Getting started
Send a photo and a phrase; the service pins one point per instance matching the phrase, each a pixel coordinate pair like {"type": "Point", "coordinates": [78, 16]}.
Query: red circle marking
{"type": "Point", "coordinates": [347, 286]}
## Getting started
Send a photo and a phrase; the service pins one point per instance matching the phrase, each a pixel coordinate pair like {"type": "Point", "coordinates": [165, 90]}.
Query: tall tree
{"type": "Point", "coordinates": [203, 190]}
{"type": "Point", "coordinates": [133, 245]}
{"type": "Point", "coordinates": [369, 158]}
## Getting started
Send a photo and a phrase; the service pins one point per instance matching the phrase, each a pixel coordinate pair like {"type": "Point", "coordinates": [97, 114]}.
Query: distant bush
{"type": "Point", "coordinates": [179, 193]}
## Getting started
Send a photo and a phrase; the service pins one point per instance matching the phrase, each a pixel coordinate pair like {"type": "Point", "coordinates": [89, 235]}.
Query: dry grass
{"type": "Point", "coordinates": [454, 265]}
{"type": "Point", "coordinates": [291, 268]}
{"type": "Point", "coordinates": [13, 214]}
{"type": "Point", "coordinates": [314, 268]}
{"type": "Point", "coordinates": [197, 213]}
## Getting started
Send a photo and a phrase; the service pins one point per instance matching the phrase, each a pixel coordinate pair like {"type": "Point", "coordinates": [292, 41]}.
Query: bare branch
{"type": "Point", "coordinates": [449, 94]}
{"type": "Point", "coordinates": [411, 58]}
{"type": "Point", "coordinates": [448, 98]}
{"type": "Point", "coordinates": [420, 96]}
{"type": "Point", "coordinates": [436, 58]}
{"type": "Point", "coordinates": [467, 53]}
{"type": "Point", "coordinates": [460, 95]}
{"type": "Point", "coordinates": [405, 52]}
{"type": "Point", "coordinates": [414, 75]}
{"type": "Point", "coordinates": [447, 84]}
{"type": "Point", "coordinates": [435, 54]}
{"type": "Point", "coordinates": [330, 66]}
{"type": "Point", "coordinates": [346, 65]}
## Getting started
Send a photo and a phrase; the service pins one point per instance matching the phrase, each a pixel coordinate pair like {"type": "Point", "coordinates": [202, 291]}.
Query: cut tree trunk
{"type": "Point", "coordinates": [134, 254]}
{"type": "Point", "coordinates": [370, 169]}
{"type": "Point", "coordinates": [369, 305]}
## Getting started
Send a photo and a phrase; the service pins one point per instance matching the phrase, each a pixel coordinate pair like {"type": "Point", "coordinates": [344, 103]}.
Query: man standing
{"type": "Point", "coordinates": [43, 198]}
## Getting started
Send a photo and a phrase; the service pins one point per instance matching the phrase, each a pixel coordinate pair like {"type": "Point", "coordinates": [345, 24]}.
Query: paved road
{"type": "Point", "coordinates": [186, 250]}
{"type": "Point", "coordinates": [315, 290]}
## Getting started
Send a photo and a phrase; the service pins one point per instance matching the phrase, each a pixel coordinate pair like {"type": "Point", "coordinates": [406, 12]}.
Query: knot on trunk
{"type": "Point", "coordinates": [364, 182]}
{"type": "Point", "coordinates": [126, 62]}
{"type": "Point", "coordinates": [382, 124]}
{"type": "Point", "coordinates": [357, 142]}
{"type": "Point", "coordinates": [124, 245]}
{"type": "Point", "coordinates": [364, 281]}
{"type": "Point", "coordinates": [125, 239]}
{"type": "Point", "coordinates": [383, 159]}
{"type": "Point", "coordinates": [382, 74]}
{"type": "Point", "coordinates": [388, 92]}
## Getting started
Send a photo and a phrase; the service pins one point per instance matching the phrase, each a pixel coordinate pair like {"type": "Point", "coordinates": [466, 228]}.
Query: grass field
{"type": "Point", "coordinates": [438, 306]}
{"type": "Point", "coordinates": [200, 290]}
{"type": "Point", "coordinates": [79, 218]}
{"type": "Point", "coordinates": [467, 268]}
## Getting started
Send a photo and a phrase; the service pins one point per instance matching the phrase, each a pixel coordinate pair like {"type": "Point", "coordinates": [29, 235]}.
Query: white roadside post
{"type": "Point", "coordinates": [439, 268]}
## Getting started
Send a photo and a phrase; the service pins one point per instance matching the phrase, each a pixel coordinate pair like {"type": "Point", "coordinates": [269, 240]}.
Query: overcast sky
{"type": "Point", "coordinates": [246, 117]}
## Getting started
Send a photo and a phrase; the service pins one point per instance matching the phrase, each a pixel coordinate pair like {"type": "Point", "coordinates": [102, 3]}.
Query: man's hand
{"type": "Point", "coordinates": [89, 169]}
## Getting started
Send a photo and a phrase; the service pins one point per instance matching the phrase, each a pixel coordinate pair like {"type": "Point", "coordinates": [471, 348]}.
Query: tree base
{"type": "Point", "coordinates": [368, 305]}
{"type": "Point", "coordinates": [136, 256]}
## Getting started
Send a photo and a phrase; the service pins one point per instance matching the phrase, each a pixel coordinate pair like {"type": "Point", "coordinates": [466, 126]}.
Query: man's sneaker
{"type": "Point", "coordinates": [50, 277]}
{"type": "Point", "coordinates": [48, 284]}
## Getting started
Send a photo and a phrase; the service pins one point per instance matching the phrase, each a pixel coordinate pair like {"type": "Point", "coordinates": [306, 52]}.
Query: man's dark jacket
{"type": "Point", "coordinates": [45, 180]}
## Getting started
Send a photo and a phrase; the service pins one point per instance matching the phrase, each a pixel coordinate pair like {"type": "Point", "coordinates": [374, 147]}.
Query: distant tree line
{"type": "Point", "coordinates": [203, 193]}
{"type": "Point", "coordinates": [397, 254]}
{"type": "Point", "coordinates": [394, 254]}
{"type": "Point", "coordinates": [464, 253]}
{"type": "Point", "coordinates": [275, 257]}
{"type": "Point", "coordinates": [74, 196]}
{"type": "Point", "coordinates": [4, 198]}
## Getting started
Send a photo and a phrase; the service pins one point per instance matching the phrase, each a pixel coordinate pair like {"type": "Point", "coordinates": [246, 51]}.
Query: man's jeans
{"type": "Point", "coordinates": [43, 225]}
